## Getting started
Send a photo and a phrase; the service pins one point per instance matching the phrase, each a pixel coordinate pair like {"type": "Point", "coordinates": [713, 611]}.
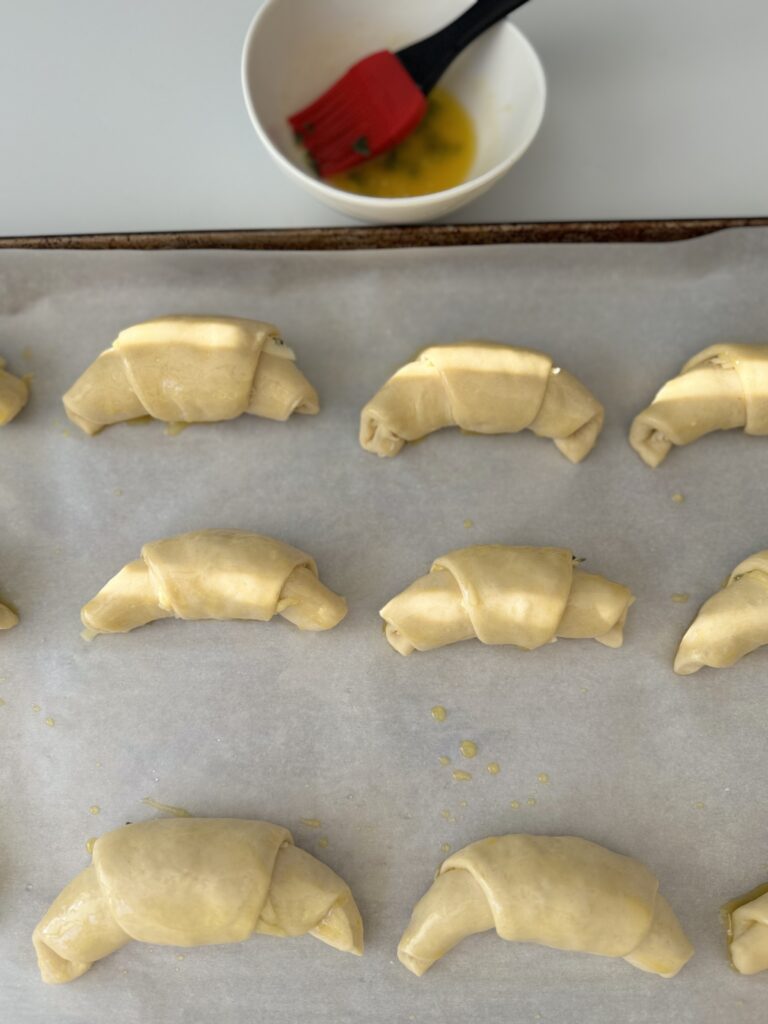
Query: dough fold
{"type": "Point", "coordinates": [724, 387]}
{"type": "Point", "coordinates": [8, 617]}
{"type": "Point", "coordinates": [746, 921]}
{"type": "Point", "coordinates": [14, 395]}
{"type": "Point", "coordinates": [191, 369]}
{"type": "Point", "coordinates": [484, 388]}
{"type": "Point", "coordinates": [523, 596]}
{"type": "Point", "coordinates": [557, 891]}
{"type": "Point", "coordinates": [193, 882]}
{"type": "Point", "coordinates": [731, 623]}
{"type": "Point", "coordinates": [215, 574]}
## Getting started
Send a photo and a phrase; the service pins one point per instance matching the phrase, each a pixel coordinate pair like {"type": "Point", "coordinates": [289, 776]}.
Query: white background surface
{"type": "Point", "coordinates": [127, 116]}
{"type": "Point", "coordinates": [261, 720]}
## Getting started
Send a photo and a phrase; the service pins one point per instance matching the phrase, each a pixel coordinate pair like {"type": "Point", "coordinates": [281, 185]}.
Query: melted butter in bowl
{"type": "Point", "coordinates": [294, 49]}
{"type": "Point", "coordinates": [436, 156]}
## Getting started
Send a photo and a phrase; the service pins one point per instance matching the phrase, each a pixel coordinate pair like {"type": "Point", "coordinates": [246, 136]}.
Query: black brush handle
{"type": "Point", "coordinates": [426, 61]}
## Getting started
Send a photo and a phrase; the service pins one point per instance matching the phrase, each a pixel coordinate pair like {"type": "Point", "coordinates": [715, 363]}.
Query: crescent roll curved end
{"type": "Point", "coordinates": [191, 369]}
{"type": "Point", "coordinates": [215, 574]}
{"type": "Point", "coordinates": [14, 394]}
{"type": "Point", "coordinates": [556, 891]}
{"type": "Point", "coordinates": [724, 387]}
{"type": "Point", "coordinates": [8, 617]}
{"type": "Point", "coordinates": [746, 921]}
{"type": "Point", "coordinates": [522, 596]}
{"type": "Point", "coordinates": [192, 882]}
{"type": "Point", "coordinates": [731, 623]}
{"type": "Point", "coordinates": [485, 388]}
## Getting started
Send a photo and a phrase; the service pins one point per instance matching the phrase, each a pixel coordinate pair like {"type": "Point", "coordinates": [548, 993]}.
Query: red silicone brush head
{"type": "Point", "coordinates": [366, 112]}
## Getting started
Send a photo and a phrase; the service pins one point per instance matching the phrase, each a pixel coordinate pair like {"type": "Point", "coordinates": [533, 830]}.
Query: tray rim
{"type": "Point", "coordinates": [398, 237]}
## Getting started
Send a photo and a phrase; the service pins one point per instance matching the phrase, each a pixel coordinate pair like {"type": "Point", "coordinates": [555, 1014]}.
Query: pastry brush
{"type": "Point", "coordinates": [383, 97]}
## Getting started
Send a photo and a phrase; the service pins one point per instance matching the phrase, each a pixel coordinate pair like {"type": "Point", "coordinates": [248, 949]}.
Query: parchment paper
{"type": "Point", "coordinates": [261, 720]}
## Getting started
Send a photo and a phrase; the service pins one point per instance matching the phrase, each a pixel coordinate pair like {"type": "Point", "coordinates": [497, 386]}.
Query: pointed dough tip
{"type": "Point", "coordinates": [413, 963]}
{"type": "Point", "coordinates": [685, 665]}
{"type": "Point", "coordinates": [342, 927]}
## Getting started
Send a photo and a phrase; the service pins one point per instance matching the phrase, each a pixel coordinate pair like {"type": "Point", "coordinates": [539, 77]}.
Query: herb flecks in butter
{"type": "Point", "coordinates": [437, 155]}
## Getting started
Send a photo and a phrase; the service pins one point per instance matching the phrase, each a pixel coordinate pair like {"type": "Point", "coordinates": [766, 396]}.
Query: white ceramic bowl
{"type": "Point", "coordinates": [295, 49]}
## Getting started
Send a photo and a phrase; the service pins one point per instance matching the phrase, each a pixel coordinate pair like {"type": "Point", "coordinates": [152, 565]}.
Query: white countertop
{"type": "Point", "coordinates": [120, 116]}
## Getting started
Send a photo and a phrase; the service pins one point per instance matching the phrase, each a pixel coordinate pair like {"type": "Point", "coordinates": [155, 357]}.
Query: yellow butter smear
{"type": "Point", "coordinates": [437, 155]}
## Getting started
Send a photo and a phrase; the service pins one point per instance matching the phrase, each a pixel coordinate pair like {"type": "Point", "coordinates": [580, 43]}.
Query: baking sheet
{"type": "Point", "coordinates": [255, 720]}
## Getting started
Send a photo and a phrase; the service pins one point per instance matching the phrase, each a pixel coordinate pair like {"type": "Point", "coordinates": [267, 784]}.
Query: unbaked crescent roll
{"type": "Point", "coordinates": [746, 921]}
{"type": "Point", "coordinates": [557, 891]}
{"type": "Point", "coordinates": [14, 394]}
{"type": "Point", "coordinates": [721, 388]}
{"type": "Point", "coordinates": [191, 369]}
{"type": "Point", "coordinates": [506, 595]}
{"type": "Point", "coordinates": [731, 623]}
{"type": "Point", "coordinates": [215, 574]}
{"type": "Point", "coordinates": [485, 388]}
{"type": "Point", "coordinates": [8, 617]}
{"type": "Point", "coordinates": [193, 882]}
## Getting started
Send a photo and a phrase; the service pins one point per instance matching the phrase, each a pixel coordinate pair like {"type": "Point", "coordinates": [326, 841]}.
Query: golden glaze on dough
{"type": "Point", "coordinates": [8, 617]}
{"type": "Point", "coordinates": [522, 596]}
{"type": "Point", "coordinates": [746, 920]}
{"type": "Point", "coordinates": [557, 891]}
{"type": "Point", "coordinates": [731, 623]}
{"type": "Point", "coordinates": [191, 369]}
{"type": "Point", "coordinates": [215, 574]}
{"type": "Point", "coordinates": [724, 387]}
{"type": "Point", "coordinates": [192, 882]}
{"type": "Point", "coordinates": [14, 395]}
{"type": "Point", "coordinates": [484, 388]}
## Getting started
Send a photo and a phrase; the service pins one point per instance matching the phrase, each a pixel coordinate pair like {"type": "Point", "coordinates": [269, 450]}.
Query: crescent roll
{"type": "Point", "coordinates": [191, 369]}
{"type": "Point", "coordinates": [721, 388]}
{"type": "Point", "coordinates": [8, 617]}
{"type": "Point", "coordinates": [746, 920]}
{"type": "Point", "coordinates": [215, 574]}
{"type": "Point", "coordinates": [731, 623]}
{"type": "Point", "coordinates": [485, 388]}
{"type": "Point", "coordinates": [557, 891]}
{"type": "Point", "coordinates": [193, 882]}
{"type": "Point", "coordinates": [14, 394]}
{"type": "Point", "coordinates": [506, 595]}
